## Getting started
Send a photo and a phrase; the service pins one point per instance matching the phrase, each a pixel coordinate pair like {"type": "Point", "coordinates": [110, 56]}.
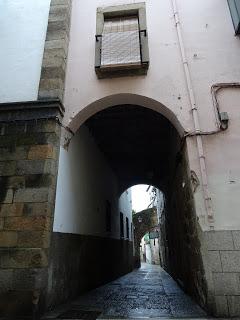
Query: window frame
{"type": "Point", "coordinates": [138, 9]}
{"type": "Point", "coordinates": [121, 225]}
{"type": "Point", "coordinates": [234, 7]}
{"type": "Point", "coordinates": [127, 228]}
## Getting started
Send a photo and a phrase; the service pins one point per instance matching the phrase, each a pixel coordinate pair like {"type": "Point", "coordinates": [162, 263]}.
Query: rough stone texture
{"type": "Point", "coordinates": [56, 50]}
{"type": "Point", "coordinates": [23, 258]}
{"type": "Point", "coordinates": [17, 153]}
{"type": "Point", "coordinates": [221, 306]}
{"type": "Point", "coordinates": [31, 195]}
{"type": "Point", "coordinates": [7, 168]}
{"type": "Point", "coordinates": [180, 243]}
{"type": "Point", "coordinates": [234, 306]}
{"type": "Point", "coordinates": [8, 239]}
{"type": "Point", "coordinates": [149, 221]}
{"type": "Point", "coordinates": [214, 261]}
{"type": "Point", "coordinates": [33, 279]}
{"type": "Point", "coordinates": [146, 293]}
{"type": "Point", "coordinates": [28, 174]}
{"type": "Point", "coordinates": [41, 152]}
{"type": "Point", "coordinates": [230, 261]}
{"type": "Point", "coordinates": [81, 262]}
{"type": "Point", "coordinates": [1, 223]}
{"type": "Point", "coordinates": [206, 263]}
{"type": "Point", "coordinates": [45, 166]}
{"type": "Point", "coordinates": [236, 239]}
{"type": "Point", "coordinates": [27, 223]}
{"type": "Point", "coordinates": [219, 240]}
{"type": "Point", "coordinates": [33, 239]}
{"type": "Point", "coordinates": [7, 210]}
{"type": "Point", "coordinates": [226, 284]}
{"type": "Point", "coordinates": [38, 209]}
{"type": "Point", "coordinates": [5, 280]}
{"type": "Point", "coordinates": [8, 195]}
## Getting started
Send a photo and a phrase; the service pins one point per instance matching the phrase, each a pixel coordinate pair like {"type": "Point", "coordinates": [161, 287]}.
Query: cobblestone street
{"type": "Point", "coordinates": [148, 292]}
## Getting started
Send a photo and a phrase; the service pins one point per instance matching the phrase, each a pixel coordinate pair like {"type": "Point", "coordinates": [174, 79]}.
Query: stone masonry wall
{"type": "Point", "coordinates": [149, 220]}
{"type": "Point", "coordinates": [206, 264]}
{"type": "Point", "coordinates": [56, 49]}
{"type": "Point", "coordinates": [82, 262]}
{"type": "Point", "coordinates": [29, 146]}
{"type": "Point", "coordinates": [180, 244]}
{"type": "Point", "coordinates": [221, 256]}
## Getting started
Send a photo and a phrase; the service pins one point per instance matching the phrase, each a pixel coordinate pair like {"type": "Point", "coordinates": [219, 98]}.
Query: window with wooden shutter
{"type": "Point", "coordinates": [121, 41]}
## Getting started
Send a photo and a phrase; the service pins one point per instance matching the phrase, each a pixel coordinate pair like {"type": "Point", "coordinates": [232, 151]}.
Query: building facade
{"type": "Point", "coordinates": [186, 75]}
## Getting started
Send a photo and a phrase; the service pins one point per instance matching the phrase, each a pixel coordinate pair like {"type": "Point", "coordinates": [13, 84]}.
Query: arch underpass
{"type": "Point", "coordinates": [91, 241]}
{"type": "Point", "coordinates": [137, 145]}
{"type": "Point", "coordinates": [142, 146]}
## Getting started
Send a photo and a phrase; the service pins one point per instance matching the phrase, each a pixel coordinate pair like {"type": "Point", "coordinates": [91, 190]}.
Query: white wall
{"type": "Point", "coordinates": [213, 54]}
{"type": "Point", "coordinates": [125, 206]}
{"type": "Point", "coordinates": [85, 182]}
{"type": "Point", "coordinates": [23, 25]}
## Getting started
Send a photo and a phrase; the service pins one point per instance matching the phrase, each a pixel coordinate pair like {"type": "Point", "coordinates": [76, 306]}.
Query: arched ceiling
{"type": "Point", "coordinates": [139, 144]}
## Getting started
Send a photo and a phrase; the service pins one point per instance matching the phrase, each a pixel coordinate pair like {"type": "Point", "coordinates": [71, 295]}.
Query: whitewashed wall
{"type": "Point", "coordinates": [213, 54]}
{"type": "Point", "coordinates": [125, 206]}
{"type": "Point", "coordinates": [23, 25]}
{"type": "Point", "coordinates": [85, 182]}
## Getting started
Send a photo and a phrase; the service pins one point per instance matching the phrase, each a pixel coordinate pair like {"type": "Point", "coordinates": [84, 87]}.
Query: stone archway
{"type": "Point", "coordinates": [143, 222]}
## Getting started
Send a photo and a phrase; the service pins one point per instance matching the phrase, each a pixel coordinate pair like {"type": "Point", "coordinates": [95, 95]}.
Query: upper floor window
{"type": "Point", "coordinates": [121, 41]}
{"type": "Point", "coordinates": [234, 6]}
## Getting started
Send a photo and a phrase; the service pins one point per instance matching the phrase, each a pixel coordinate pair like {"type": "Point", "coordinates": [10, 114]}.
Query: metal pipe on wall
{"type": "Point", "coordinates": [201, 155]}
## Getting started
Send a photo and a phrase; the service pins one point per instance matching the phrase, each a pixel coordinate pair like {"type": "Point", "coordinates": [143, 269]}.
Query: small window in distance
{"type": "Point", "coordinates": [127, 227]}
{"type": "Point", "coordinates": [108, 216]}
{"type": "Point", "coordinates": [121, 226]}
{"type": "Point", "coordinates": [234, 6]}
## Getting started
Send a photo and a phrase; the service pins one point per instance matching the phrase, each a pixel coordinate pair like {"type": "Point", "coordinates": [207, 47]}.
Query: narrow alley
{"type": "Point", "coordinates": [148, 292]}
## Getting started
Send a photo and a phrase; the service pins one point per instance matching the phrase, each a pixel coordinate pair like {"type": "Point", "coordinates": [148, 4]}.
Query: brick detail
{"type": "Point", "coordinates": [7, 210]}
{"type": "Point", "coordinates": [41, 152]}
{"type": "Point", "coordinates": [219, 240]}
{"type": "Point", "coordinates": [25, 167]}
{"type": "Point", "coordinates": [29, 148]}
{"type": "Point", "coordinates": [5, 280]}
{"type": "Point", "coordinates": [38, 209]}
{"type": "Point", "coordinates": [23, 223]}
{"type": "Point", "coordinates": [8, 239]}
{"type": "Point", "coordinates": [31, 195]}
{"type": "Point", "coordinates": [226, 284]}
{"type": "Point", "coordinates": [23, 258]}
{"type": "Point", "coordinates": [6, 196]}
{"type": "Point", "coordinates": [7, 168]}
{"type": "Point", "coordinates": [52, 79]}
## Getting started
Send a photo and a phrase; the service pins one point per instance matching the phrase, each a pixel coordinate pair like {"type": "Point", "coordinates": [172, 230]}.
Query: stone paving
{"type": "Point", "coordinates": [148, 292]}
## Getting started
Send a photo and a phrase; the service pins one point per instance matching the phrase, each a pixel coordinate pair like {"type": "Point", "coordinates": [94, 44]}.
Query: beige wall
{"type": "Point", "coordinates": [213, 54]}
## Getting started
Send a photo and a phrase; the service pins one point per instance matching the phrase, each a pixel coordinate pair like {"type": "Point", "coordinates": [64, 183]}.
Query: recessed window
{"type": "Point", "coordinates": [234, 6]}
{"type": "Point", "coordinates": [121, 41]}
{"type": "Point", "coordinates": [127, 227]}
{"type": "Point", "coordinates": [121, 226]}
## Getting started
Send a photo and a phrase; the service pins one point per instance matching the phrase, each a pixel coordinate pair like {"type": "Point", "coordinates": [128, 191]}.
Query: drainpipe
{"type": "Point", "coordinates": [201, 155]}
